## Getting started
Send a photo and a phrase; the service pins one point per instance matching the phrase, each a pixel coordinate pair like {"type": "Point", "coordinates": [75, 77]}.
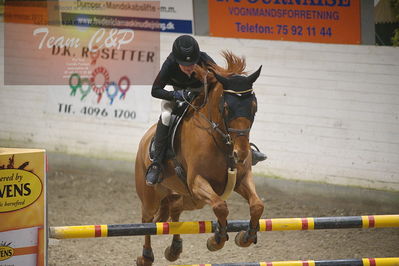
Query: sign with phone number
{"type": "Point", "coordinates": [324, 21]}
{"type": "Point", "coordinates": [84, 103]}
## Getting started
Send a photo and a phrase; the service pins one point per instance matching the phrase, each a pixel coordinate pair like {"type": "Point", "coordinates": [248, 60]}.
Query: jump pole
{"type": "Point", "coordinates": [345, 262]}
{"type": "Point", "coordinates": [203, 227]}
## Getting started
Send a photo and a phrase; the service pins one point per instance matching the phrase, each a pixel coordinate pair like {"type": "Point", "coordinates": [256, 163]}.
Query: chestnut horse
{"type": "Point", "coordinates": [212, 139]}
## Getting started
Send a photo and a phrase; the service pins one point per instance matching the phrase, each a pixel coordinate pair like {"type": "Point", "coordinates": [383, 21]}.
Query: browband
{"type": "Point", "coordinates": [238, 92]}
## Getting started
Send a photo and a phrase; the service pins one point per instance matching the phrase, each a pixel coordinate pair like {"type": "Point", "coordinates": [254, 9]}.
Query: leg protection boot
{"type": "Point", "coordinates": [257, 155]}
{"type": "Point", "coordinates": [155, 169]}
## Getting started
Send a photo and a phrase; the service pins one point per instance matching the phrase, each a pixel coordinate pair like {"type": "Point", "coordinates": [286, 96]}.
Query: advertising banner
{"type": "Point", "coordinates": [97, 59]}
{"type": "Point", "coordinates": [176, 16]}
{"type": "Point", "coordinates": [27, 12]}
{"type": "Point", "coordinates": [99, 42]}
{"type": "Point", "coordinates": [172, 15]}
{"type": "Point", "coordinates": [23, 228]}
{"type": "Point", "coordinates": [323, 21]}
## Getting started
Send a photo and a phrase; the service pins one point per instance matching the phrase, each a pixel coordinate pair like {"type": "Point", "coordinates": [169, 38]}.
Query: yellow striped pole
{"type": "Point", "coordinates": [203, 227]}
{"type": "Point", "coordinates": [344, 262]}
{"type": "Point", "coordinates": [80, 231]}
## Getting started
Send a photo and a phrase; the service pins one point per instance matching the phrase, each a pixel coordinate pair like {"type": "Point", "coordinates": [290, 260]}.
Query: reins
{"type": "Point", "coordinates": [215, 126]}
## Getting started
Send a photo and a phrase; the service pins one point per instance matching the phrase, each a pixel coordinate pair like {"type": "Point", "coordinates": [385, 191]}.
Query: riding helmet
{"type": "Point", "coordinates": [186, 50]}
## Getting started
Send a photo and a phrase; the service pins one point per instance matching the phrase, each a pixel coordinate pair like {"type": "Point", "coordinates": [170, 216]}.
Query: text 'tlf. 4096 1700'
{"type": "Point", "coordinates": [97, 112]}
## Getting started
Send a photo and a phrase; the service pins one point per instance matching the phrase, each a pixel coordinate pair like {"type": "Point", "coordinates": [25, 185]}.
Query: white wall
{"type": "Point", "coordinates": [327, 113]}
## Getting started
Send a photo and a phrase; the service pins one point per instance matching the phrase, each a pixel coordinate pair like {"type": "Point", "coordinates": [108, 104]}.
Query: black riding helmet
{"type": "Point", "coordinates": [186, 50]}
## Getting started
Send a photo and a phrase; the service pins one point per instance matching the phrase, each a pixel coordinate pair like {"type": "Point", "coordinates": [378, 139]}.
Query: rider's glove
{"type": "Point", "coordinates": [181, 95]}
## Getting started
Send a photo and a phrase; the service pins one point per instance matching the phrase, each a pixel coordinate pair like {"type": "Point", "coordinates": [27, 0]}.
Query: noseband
{"type": "Point", "coordinates": [240, 132]}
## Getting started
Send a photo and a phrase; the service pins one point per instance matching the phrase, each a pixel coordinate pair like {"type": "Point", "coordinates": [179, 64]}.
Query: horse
{"type": "Point", "coordinates": [212, 144]}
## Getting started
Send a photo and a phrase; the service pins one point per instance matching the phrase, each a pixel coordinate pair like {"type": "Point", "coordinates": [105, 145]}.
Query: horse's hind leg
{"type": "Point", "coordinates": [256, 206]}
{"type": "Point", "coordinates": [173, 252]}
{"type": "Point", "coordinates": [204, 191]}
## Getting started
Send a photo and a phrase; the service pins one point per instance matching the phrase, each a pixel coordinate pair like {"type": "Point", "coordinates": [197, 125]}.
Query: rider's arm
{"type": "Point", "coordinates": [158, 87]}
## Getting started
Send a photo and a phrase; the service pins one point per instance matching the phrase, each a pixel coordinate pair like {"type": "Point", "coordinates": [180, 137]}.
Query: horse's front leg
{"type": "Point", "coordinates": [172, 252]}
{"type": "Point", "coordinates": [149, 207]}
{"type": "Point", "coordinates": [256, 206]}
{"type": "Point", "coordinates": [203, 191]}
{"type": "Point", "coordinates": [147, 258]}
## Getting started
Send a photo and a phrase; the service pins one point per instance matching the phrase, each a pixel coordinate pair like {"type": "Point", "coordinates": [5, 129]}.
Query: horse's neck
{"type": "Point", "coordinates": [212, 107]}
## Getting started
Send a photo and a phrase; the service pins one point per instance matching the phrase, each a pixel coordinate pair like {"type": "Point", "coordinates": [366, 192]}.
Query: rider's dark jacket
{"type": "Point", "coordinates": [170, 74]}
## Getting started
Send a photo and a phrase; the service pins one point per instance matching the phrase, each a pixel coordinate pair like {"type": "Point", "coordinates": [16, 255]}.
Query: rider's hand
{"type": "Point", "coordinates": [181, 95]}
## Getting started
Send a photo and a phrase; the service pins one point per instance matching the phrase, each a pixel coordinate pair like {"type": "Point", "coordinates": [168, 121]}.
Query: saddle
{"type": "Point", "coordinates": [170, 154]}
{"type": "Point", "coordinates": [176, 118]}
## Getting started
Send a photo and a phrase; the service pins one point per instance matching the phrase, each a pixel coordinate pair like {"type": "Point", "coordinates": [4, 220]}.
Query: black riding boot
{"type": "Point", "coordinates": [160, 142]}
{"type": "Point", "coordinates": [257, 155]}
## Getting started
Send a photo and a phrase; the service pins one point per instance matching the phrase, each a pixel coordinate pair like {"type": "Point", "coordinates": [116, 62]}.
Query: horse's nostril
{"type": "Point", "coordinates": [235, 156]}
{"type": "Point", "coordinates": [239, 156]}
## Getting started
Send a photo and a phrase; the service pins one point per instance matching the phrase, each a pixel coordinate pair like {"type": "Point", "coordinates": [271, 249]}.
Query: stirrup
{"type": "Point", "coordinates": [257, 155]}
{"type": "Point", "coordinates": [152, 176]}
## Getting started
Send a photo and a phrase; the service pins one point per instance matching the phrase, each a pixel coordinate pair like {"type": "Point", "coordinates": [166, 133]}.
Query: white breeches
{"type": "Point", "coordinates": [166, 111]}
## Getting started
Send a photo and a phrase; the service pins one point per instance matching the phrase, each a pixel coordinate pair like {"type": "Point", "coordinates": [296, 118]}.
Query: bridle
{"type": "Point", "coordinates": [225, 132]}
{"type": "Point", "coordinates": [224, 104]}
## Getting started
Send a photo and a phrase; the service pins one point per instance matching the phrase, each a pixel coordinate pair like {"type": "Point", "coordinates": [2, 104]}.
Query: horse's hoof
{"type": "Point", "coordinates": [212, 245]}
{"type": "Point", "coordinates": [171, 255]}
{"type": "Point", "coordinates": [141, 261]}
{"type": "Point", "coordinates": [240, 240]}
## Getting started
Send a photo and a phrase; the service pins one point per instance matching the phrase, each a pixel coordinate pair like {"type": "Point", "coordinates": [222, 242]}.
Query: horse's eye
{"type": "Point", "coordinates": [225, 109]}
{"type": "Point", "coordinates": [254, 107]}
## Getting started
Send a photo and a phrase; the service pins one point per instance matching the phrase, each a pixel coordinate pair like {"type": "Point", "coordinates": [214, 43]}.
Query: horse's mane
{"type": "Point", "coordinates": [235, 66]}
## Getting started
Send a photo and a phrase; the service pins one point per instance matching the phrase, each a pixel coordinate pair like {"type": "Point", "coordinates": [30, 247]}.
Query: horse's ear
{"type": "Point", "coordinates": [221, 79]}
{"type": "Point", "coordinates": [253, 77]}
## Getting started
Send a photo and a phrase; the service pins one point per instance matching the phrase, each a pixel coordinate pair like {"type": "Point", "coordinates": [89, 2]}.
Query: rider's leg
{"type": "Point", "coordinates": [257, 155]}
{"type": "Point", "coordinates": [160, 143]}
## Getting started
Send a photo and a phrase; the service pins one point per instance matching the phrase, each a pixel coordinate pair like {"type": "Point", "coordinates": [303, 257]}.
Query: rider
{"type": "Point", "coordinates": [177, 71]}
